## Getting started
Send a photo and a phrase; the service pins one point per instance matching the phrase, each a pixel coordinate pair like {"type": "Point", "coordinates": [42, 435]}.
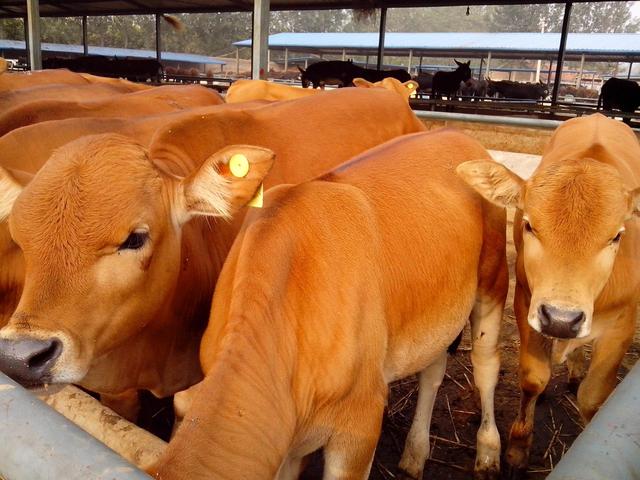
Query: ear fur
{"type": "Point", "coordinates": [493, 181]}
{"type": "Point", "coordinates": [214, 189]}
{"type": "Point", "coordinates": [634, 198]}
{"type": "Point", "coordinates": [362, 83]}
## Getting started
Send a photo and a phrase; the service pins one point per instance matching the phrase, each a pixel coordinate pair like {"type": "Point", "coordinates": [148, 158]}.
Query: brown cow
{"type": "Point", "coordinates": [13, 98]}
{"type": "Point", "coordinates": [117, 332]}
{"type": "Point", "coordinates": [146, 102]}
{"type": "Point", "coordinates": [249, 90]}
{"type": "Point", "coordinates": [578, 267]}
{"type": "Point", "coordinates": [18, 80]}
{"type": "Point", "coordinates": [406, 89]}
{"type": "Point", "coordinates": [339, 287]}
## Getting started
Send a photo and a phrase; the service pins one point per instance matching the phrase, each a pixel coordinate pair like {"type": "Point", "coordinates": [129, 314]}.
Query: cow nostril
{"type": "Point", "coordinates": [51, 350]}
{"type": "Point", "coordinates": [577, 320]}
{"type": "Point", "coordinates": [545, 315]}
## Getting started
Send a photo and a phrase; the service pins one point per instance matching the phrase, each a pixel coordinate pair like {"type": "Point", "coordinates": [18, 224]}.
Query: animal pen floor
{"type": "Point", "coordinates": [456, 413]}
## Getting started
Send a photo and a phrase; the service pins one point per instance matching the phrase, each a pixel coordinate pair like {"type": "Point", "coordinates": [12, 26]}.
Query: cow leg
{"type": "Point", "coordinates": [125, 404]}
{"type": "Point", "coordinates": [577, 367]}
{"type": "Point", "coordinates": [348, 454]}
{"type": "Point", "coordinates": [486, 318]}
{"type": "Point", "coordinates": [608, 352]}
{"type": "Point", "coordinates": [416, 447]}
{"type": "Point", "coordinates": [535, 371]}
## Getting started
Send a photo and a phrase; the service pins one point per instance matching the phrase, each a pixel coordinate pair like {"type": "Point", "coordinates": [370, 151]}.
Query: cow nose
{"type": "Point", "coordinates": [29, 361]}
{"type": "Point", "coordinates": [559, 322]}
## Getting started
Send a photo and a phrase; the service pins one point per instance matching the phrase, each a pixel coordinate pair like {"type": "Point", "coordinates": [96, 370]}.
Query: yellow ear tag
{"type": "Point", "coordinates": [239, 165]}
{"type": "Point", "coordinates": [258, 200]}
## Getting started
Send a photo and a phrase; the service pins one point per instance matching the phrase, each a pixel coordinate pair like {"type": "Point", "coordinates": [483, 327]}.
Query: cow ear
{"type": "Point", "coordinates": [225, 182]}
{"type": "Point", "coordinates": [493, 181]}
{"type": "Point", "coordinates": [457, 62]}
{"type": "Point", "coordinates": [362, 83]}
{"type": "Point", "coordinates": [11, 185]}
{"type": "Point", "coordinates": [634, 197]}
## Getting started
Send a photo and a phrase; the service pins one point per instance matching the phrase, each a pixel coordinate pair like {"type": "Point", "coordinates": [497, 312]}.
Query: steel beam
{"type": "Point", "coordinates": [158, 37]}
{"type": "Point", "coordinates": [609, 447]}
{"type": "Point", "coordinates": [33, 35]}
{"type": "Point", "coordinates": [563, 45]}
{"type": "Point", "coordinates": [37, 443]}
{"type": "Point", "coordinates": [260, 39]}
{"type": "Point", "coordinates": [85, 36]}
{"type": "Point", "coordinates": [383, 28]}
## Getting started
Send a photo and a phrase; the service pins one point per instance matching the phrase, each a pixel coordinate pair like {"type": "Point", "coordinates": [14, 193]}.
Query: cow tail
{"type": "Point", "coordinates": [451, 349]}
{"type": "Point", "coordinates": [175, 22]}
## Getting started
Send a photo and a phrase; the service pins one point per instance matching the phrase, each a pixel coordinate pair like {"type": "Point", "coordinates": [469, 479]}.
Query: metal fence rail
{"type": "Point", "coordinates": [609, 448]}
{"type": "Point", "coordinates": [37, 443]}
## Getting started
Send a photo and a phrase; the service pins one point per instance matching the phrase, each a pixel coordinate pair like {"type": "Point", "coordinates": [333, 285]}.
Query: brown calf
{"type": "Point", "coordinates": [578, 268]}
{"type": "Point", "coordinates": [118, 282]}
{"type": "Point", "coordinates": [338, 287]}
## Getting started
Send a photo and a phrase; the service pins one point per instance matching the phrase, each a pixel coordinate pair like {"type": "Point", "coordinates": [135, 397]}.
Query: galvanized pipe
{"type": "Point", "coordinates": [33, 34]}
{"type": "Point", "coordinates": [37, 443]}
{"type": "Point", "coordinates": [496, 120]}
{"type": "Point", "coordinates": [563, 45]}
{"type": "Point", "coordinates": [383, 29]}
{"type": "Point", "coordinates": [609, 447]}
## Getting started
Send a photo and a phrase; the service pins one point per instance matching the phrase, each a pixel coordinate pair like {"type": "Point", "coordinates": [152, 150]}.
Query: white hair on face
{"type": "Point", "coordinates": [9, 191]}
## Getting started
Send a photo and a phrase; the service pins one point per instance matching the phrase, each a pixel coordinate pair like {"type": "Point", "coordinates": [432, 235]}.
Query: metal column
{"type": "Point", "coordinates": [85, 36]}
{"type": "Point", "coordinates": [383, 27]}
{"type": "Point", "coordinates": [158, 39]}
{"type": "Point", "coordinates": [33, 35]}
{"type": "Point", "coordinates": [344, 55]}
{"type": "Point", "coordinates": [580, 72]}
{"type": "Point", "coordinates": [37, 443]}
{"type": "Point", "coordinates": [410, 59]}
{"type": "Point", "coordinates": [563, 45]}
{"type": "Point", "coordinates": [488, 64]}
{"type": "Point", "coordinates": [286, 59]}
{"type": "Point", "coordinates": [629, 73]}
{"type": "Point", "coordinates": [260, 39]}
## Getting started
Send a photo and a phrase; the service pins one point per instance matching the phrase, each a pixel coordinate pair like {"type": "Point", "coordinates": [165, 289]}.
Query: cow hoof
{"type": "Point", "coordinates": [402, 475]}
{"type": "Point", "coordinates": [486, 474]}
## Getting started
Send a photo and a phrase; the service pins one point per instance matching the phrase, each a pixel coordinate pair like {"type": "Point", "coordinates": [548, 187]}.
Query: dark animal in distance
{"type": "Point", "coordinates": [342, 73]}
{"type": "Point", "coordinates": [474, 88]}
{"type": "Point", "coordinates": [518, 90]}
{"type": "Point", "coordinates": [623, 95]}
{"type": "Point", "coordinates": [448, 83]}
{"type": "Point", "coordinates": [425, 81]}
{"type": "Point", "coordinates": [134, 69]}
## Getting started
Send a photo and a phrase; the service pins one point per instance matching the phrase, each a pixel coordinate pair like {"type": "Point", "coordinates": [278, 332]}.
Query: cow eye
{"type": "Point", "coordinates": [527, 226]}
{"type": "Point", "coordinates": [134, 241]}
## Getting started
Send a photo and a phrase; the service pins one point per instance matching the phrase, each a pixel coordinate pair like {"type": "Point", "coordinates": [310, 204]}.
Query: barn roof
{"type": "Point", "coordinates": [70, 8]}
{"type": "Point", "coordinates": [612, 46]}
{"type": "Point", "coordinates": [58, 48]}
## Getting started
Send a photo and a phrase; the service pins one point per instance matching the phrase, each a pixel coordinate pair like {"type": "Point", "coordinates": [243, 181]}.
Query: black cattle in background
{"type": "Point", "coordinates": [342, 73]}
{"type": "Point", "coordinates": [448, 83]}
{"type": "Point", "coordinates": [517, 90]}
{"type": "Point", "coordinates": [425, 82]}
{"type": "Point", "coordinates": [623, 95]}
{"type": "Point", "coordinates": [474, 88]}
{"type": "Point", "coordinates": [134, 69]}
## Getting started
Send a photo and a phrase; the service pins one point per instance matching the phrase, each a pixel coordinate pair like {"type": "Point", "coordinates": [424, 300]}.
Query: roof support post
{"type": "Point", "coordinates": [580, 72]}
{"type": "Point", "coordinates": [158, 39]}
{"type": "Point", "coordinates": [563, 45]}
{"type": "Point", "coordinates": [549, 72]}
{"type": "Point", "coordinates": [286, 59]}
{"type": "Point", "coordinates": [488, 64]}
{"type": "Point", "coordinates": [344, 55]}
{"type": "Point", "coordinates": [480, 69]}
{"type": "Point", "coordinates": [260, 39]}
{"type": "Point", "coordinates": [237, 61]}
{"type": "Point", "coordinates": [85, 42]}
{"type": "Point", "coordinates": [383, 27]}
{"type": "Point", "coordinates": [33, 34]}
{"type": "Point", "coordinates": [410, 60]}
{"type": "Point", "coordinates": [629, 73]}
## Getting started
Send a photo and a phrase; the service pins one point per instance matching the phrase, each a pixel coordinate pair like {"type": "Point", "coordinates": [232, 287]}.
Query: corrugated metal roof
{"type": "Point", "coordinates": [114, 52]}
{"type": "Point", "coordinates": [593, 44]}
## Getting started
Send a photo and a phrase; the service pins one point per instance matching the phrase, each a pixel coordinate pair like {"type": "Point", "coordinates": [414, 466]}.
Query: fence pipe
{"type": "Point", "coordinates": [609, 447]}
{"type": "Point", "coordinates": [37, 443]}
{"type": "Point", "coordinates": [491, 119]}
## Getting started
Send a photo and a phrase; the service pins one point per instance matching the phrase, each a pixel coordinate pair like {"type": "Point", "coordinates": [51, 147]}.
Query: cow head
{"type": "Point", "coordinates": [304, 77]}
{"type": "Point", "coordinates": [569, 229]}
{"type": "Point", "coordinates": [100, 229]}
{"type": "Point", "coordinates": [407, 89]}
{"type": "Point", "coordinates": [464, 68]}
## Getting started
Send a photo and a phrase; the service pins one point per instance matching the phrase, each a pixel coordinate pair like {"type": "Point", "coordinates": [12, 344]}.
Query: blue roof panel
{"type": "Point", "coordinates": [577, 43]}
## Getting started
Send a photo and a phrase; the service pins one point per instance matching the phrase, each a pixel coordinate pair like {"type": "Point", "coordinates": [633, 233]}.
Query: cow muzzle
{"type": "Point", "coordinates": [560, 322]}
{"type": "Point", "coordinates": [29, 361]}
